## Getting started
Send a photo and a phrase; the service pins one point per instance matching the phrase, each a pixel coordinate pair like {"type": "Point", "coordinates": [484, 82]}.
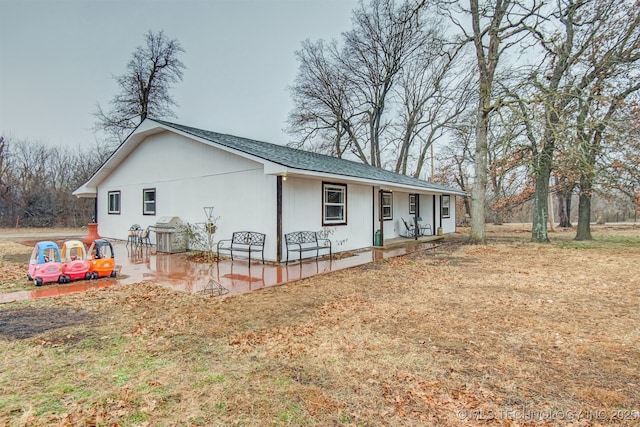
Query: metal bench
{"type": "Point", "coordinates": [303, 241]}
{"type": "Point", "coordinates": [243, 241]}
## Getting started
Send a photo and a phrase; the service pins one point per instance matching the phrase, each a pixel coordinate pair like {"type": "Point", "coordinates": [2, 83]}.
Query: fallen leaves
{"type": "Point", "coordinates": [420, 340]}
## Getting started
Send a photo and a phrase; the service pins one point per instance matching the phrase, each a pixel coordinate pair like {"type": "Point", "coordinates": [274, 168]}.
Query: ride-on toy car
{"type": "Point", "coordinates": [102, 261]}
{"type": "Point", "coordinates": [45, 265]}
{"type": "Point", "coordinates": [75, 264]}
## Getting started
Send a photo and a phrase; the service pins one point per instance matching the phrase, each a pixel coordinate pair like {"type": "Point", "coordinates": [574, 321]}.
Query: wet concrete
{"type": "Point", "coordinates": [174, 271]}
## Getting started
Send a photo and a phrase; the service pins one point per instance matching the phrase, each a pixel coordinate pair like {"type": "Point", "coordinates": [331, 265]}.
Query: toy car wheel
{"type": "Point", "coordinates": [87, 276]}
{"type": "Point", "coordinates": [94, 275]}
{"type": "Point", "coordinates": [61, 279]}
{"type": "Point", "coordinates": [67, 279]}
{"type": "Point", "coordinates": [113, 273]}
{"type": "Point", "coordinates": [29, 278]}
{"type": "Point", "coordinates": [38, 282]}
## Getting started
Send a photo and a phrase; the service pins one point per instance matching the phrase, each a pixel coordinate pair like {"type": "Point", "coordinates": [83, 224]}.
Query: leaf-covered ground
{"type": "Point", "coordinates": [512, 333]}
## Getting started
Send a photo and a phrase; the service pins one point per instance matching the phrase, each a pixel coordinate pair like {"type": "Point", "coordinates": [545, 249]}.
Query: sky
{"type": "Point", "coordinates": [58, 59]}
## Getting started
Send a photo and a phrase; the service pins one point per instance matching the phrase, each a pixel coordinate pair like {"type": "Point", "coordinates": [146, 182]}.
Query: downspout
{"type": "Point", "coordinates": [278, 218]}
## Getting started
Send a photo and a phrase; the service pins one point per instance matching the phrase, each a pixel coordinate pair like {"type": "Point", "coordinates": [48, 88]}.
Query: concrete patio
{"type": "Point", "coordinates": [144, 263]}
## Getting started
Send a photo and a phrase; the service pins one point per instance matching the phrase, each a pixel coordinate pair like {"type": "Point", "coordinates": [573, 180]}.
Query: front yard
{"type": "Point", "coordinates": [512, 333]}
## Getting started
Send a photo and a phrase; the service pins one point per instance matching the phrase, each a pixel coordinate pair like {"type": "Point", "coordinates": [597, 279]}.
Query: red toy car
{"type": "Point", "coordinates": [75, 264]}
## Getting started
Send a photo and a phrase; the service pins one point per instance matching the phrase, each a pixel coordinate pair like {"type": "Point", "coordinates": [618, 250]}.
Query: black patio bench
{"type": "Point", "coordinates": [303, 241]}
{"type": "Point", "coordinates": [243, 241]}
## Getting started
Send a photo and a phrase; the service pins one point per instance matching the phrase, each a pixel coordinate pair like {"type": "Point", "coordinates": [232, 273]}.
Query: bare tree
{"type": "Point", "coordinates": [496, 27]}
{"type": "Point", "coordinates": [615, 63]}
{"type": "Point", "coordinates": [144, 88]}
{"type": "Point", "coordinates": [456, 160]}
{"type": "Point", "coordinates": [383, 40]}
{"type": "Point", "coordinates": [585, 42]}
{"type": "Point", "coordinates": [508, 157]}
{"type": "Point", "coordinates": [434, 91]}
{"type": "Point", "coordinates": [344, 95]}
{"type": "Point", "coordinates": [322, 103]}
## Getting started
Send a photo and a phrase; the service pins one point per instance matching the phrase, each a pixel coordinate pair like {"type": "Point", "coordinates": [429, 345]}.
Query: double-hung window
{"type": "Point", "coordinates": [334, 204]}
{"type": "Point", "coordinates": [412, 204]}
{"type": "Point", "coordinates": [387, 205]}
{"type": "Point", "coordinates": [114, 202]}
{"type": "Point", "coordinates": [149, 201]}
{"type": "Point", "coordinates": [446, 206]}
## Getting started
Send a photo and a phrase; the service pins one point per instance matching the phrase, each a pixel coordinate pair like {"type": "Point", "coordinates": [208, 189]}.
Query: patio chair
{"type": "Point", "coordinates": [144, 237]}
{"type": "Point", "coordinates": [424, 228]}
{"type": "Point", "coordinates": [133, 235]}
{"type": "Point", "coordinates": [410, 230]}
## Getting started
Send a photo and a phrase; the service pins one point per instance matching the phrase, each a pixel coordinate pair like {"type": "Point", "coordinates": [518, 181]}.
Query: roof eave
{"type": "Point", "coordinates": [85, 191]}
{"type": "Point", "coordinates": [277, 169]}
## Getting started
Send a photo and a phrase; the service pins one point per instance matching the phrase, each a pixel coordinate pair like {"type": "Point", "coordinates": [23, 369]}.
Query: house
{"type": "Point", "coordinates": [165, 169]}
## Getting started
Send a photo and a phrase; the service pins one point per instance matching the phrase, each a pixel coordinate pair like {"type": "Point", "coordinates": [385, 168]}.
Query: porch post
{"type": "Point", "coordinates": [373, 216]}
{"type": "Point", "coordinates": [434, 215]}
{"type": "Point", "coordinates": [380, 217]}
{"type": "Point", "coordinates": [278, 218]}
{"type": "Point", "coordinates": [416, 214]}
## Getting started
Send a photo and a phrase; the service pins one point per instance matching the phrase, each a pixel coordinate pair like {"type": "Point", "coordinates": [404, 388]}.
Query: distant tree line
{"type": "Point", "coordinates": [36, 182]}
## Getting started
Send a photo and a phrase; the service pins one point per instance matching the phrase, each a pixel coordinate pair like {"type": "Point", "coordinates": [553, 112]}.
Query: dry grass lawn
{"type": "Point", "coordinates": [512, 333]}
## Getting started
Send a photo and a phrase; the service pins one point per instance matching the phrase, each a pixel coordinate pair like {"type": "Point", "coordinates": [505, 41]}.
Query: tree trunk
{"type": "Point", "coordinates": [564, 209]}
{"type": "Point", "coordinates": [539, 231]}
{"type": "Point", "coordinates": [497, 218]}
{"type": "Point", "coordinates": [479, 190]}
{"type": "Point", "coordinates": [568, 205]}
{"type": "Point", "coordinates": [584, 210]}
{"type": "Point", "coordinates": [467, 208]}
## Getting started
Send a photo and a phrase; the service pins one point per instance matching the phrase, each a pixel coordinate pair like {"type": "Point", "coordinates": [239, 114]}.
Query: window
{"type": "Point", "coordinates": [446, 200]}
{"type": "Point", "coordinates": [334, 204]}
{"type": "Point", "coordinates": [412, 203]}
{"type": "Point", "coordinates": [387, 206]}
{"type": "Point", "coordinates": [114, 202]}
{"type": "Point", "coordinates": [149, 201]}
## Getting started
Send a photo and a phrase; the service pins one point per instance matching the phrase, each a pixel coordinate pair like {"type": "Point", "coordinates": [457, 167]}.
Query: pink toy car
{"type": "Point", "coordinates": [45, 265]}
{"type": "Point", "coordinates": [75, 264]}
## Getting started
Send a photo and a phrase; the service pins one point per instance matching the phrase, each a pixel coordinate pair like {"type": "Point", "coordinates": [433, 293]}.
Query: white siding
{"type": "Point", "coordinates": [188, 176]}
{"type": "Point", "coordinates": [302, 211]}
{"type": "Point", "coordinates": [449, 224]}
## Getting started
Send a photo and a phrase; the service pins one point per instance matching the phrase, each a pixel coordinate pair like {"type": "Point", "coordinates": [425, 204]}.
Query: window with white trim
{"type": "Point", "coordinates": [387, 205]}
{"type": "Point", "coordinates": [334, 204]}
{"type": "Point", "coordinates": [149, 201]}
{"type": "Point", "coordinates": [114, 202]}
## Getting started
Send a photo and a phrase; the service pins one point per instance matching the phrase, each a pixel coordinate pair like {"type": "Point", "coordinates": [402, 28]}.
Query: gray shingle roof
{"type": "Point", "coordinates": [306, 160]}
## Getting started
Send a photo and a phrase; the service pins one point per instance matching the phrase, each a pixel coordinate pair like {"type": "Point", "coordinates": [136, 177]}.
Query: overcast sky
{"type": "Point", "coordinates": [58, 59]}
